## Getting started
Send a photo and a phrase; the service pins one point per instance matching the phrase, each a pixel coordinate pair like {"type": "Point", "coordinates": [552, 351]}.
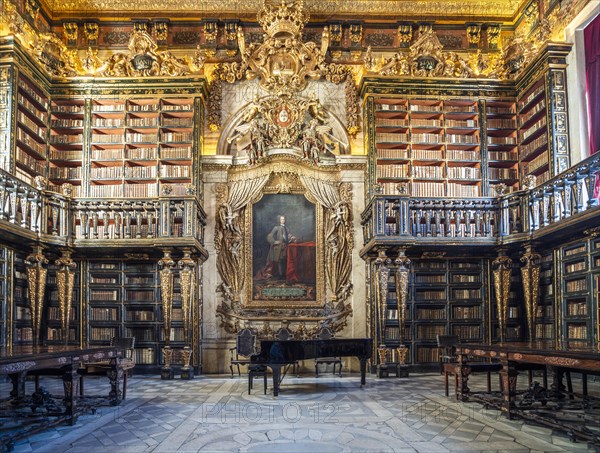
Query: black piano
{"type": "Point", "coordinates": [276, 354]}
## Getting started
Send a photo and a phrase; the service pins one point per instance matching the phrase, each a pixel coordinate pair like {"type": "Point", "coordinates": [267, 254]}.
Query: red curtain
{"type": "Point", "coordinates": [591, 36]}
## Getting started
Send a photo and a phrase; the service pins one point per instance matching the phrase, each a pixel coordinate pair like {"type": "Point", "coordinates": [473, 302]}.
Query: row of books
{"type": "Point", "coordinates": [25, 104]}
{"type": "Point", "coordinates": [33, 94]}
{"type": "Point", "coordinates": [572, 286]}
{"type": "Point", "coordinates": [577, 308]}
{"type": "Point", "coordinates": [523, 118]}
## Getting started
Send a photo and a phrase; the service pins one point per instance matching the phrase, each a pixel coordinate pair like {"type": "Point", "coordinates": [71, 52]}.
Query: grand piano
{"type": "Point", "coordinates": [277, 354]}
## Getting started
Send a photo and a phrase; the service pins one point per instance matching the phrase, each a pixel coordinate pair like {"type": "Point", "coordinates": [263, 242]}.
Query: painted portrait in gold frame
{"type": "Point", "coordinates": [285, 246]}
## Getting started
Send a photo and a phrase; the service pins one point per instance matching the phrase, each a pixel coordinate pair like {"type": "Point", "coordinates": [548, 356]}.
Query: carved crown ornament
{"type": "Point", "coordinates": [283, 63]}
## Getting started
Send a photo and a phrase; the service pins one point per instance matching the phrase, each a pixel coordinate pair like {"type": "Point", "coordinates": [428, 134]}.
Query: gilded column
{"type": "Point", "coordinates": [502, 270]}
{"type": "Point", "coordinates": [65, 280]}
{"type": "Point", "coordinates": [187, 268]}
{"type": "Point", "coordinates": [166, 266]}
{"type": "Point", "coordinates": [403, 263]}
{"type": "Point", "coordinates": [36, 285]}
{"type": "Point", "coordinates": [382, 276]}
{"type": "Point", "coordinates": [530, 274]}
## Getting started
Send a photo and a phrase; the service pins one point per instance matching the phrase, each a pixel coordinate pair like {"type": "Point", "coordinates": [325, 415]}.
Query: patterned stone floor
{"type": "Point", "coordinates": [325, 414]}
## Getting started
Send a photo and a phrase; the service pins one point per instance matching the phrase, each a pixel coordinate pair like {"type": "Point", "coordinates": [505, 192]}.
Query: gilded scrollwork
{"type": "Point", "coordinates": [65, 281]}
{"type": "Point", "coordinates": [167, 267]}
{"type": "Point", "coordinates": [530, 275]}
{"type": "Point", "coordinates": [501, 272]}
{"type": "Point", "coordinates": [284, 174]}
{"type": "Point", "coordinates": [283, 63]}
{"type": "Point", "coordinates": [36, 287]}
{"type": "Point", "coordinates": [285, 122]}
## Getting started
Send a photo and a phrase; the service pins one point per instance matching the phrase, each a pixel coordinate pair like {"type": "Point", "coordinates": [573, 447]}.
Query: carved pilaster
{"type": "Point", "coordinates": [36, 285]}
{"type": "Point", "coordinates": [530, 274]}
{"type": "Point", "coordinates": [187, 267]}
{"type": "Point", "coordinates": [166, 266]}
{"type": "Point", "coordinates": [493, 36]}
{"type": "Point", "coordinates": [90, 30]}
{"type": "Point", "coordinates": [404, 35]}
{"type": "Point", "coordinates": [161, 32]}
{"type": "Point", "coordinates": [65, 280]}
{"type": "Point", "coordinates": [382, 277]}
{"type": "Point", "coordinates": [403, 263]}
{"type": "Point", "coordinates": [473, 35]}
{"type": "Point", "coordinates": [70, 30]}
{"type": "Point", "coordinates": [502, 270]}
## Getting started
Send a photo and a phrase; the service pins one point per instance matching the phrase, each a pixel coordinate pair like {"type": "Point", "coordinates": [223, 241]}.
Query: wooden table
{"type": "Point", "coordinates": [557, 357]}
{"type": "Point", "coordinates": [17, 361]}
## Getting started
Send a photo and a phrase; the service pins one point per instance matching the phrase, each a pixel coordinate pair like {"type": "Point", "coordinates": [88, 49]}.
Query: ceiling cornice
{"type": "Point", "coordinates": [397, 10]}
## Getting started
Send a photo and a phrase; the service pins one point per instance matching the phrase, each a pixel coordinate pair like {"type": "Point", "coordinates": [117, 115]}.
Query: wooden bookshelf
{"type": "Point", "coordinates": [140, 145]}
{"type": "Point", "coordinates": [533, 132]}
{"type": "Point", "coordinates": [66, 144]}
{"type": "Point", "coordinates": [445, 297]}
{"type": "Point", "coordinates": [578, 306]}
{"type": "Point", "coordinates": [4, 294]}
{"type": "Point", "coordinates": [22, 331]}
{"type": "Point", "coordinates": [501, 144]}
{"type": "Point", "coordinates": [124, 300]}
{"type": "Point", "coordinates": [433, 146]}
{"type": "Point", "coordinates": [545, 316]}
{"type": "Point", "coordinates": [31, 132]}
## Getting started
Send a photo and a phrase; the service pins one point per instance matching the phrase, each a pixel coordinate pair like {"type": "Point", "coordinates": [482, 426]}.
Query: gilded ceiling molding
{"type": "Point", "coordinates": [426, 57]}
{"type": "Point", "coordinates": [283, 63]}
{"type": "Point", "coordinates": [473, 9]}
{"type": "Point", "coordinates": [143, 58]}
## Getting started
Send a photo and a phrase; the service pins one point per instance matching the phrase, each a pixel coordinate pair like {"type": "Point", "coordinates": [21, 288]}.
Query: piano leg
{"type": "Point", "coordinates": [276, 369]}
{"type": "Point", "coordinates": [363, 371]}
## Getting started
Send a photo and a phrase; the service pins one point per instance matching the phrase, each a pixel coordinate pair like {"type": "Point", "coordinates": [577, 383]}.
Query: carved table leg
{"type": "Point", "coordinates": [557, 388]}
{"type": "Point", "coordinates": [463, 371]}
{"type": "Point", "coordinates": [71, 385]}
{"type": "Point", "coordinates": [115, 376]}
{"type": "Point", "coordinates": [18, 387]}
{"type": "Point", "coordinates": [508, 376]}
{"type": "Point", "coordinates": [276, 369]}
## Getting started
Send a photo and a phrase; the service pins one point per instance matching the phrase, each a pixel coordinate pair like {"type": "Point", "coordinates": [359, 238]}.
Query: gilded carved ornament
{"type": "Point", "coordinates": [283, 63]}
{"type": "Point", "coordinates": [143, 58]}
{"type": "Point", "coordinates": [288, 122]}
{"type": "Point", "coordinates": [232, 236]}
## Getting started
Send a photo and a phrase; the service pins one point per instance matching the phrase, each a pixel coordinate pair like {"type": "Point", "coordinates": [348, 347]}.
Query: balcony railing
{"type": "Point", "coordinates": [48, 216]}
{"type": "Point", "coordinates": [390, 219]}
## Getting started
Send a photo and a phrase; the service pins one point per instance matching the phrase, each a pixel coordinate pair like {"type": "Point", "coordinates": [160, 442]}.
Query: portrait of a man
{"type": "Point", "coordinates": [284, 248]}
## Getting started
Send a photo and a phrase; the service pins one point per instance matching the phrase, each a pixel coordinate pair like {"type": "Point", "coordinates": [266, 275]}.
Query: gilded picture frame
{"type": "Point", "coordinates": [269, 287]}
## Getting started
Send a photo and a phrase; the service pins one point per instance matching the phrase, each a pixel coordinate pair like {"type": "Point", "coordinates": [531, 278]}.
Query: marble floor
{"type": "Point", "coordinates": [325, 414]}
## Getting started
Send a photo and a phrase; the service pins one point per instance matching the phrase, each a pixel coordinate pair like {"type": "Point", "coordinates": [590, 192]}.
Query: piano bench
{"type": "Point", "coordinates": [257, 370]}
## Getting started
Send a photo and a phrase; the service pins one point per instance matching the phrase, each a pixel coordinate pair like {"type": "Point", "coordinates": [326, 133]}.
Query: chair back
{"type": "Point", "coordinates": [126, 343]}
{"type": "Point", "coordinates": [245, 342]}
{"type": "Point", "coordinates": [324, 333]}
{"type": "Point", "coordinates": [449, 342]}
{"type": "Point", "coordinates": [284, 334]}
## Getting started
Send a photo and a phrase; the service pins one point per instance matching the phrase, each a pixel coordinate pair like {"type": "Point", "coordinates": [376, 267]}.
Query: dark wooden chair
{"type": "Point", "coordinates": [101, 368]}
{"type": "Point", "coordinates": [245, 346]}
{"type": "Point", "coordinates": [325, 333]}
{"type": "Point", "coordinates": [447, 349]}
{"type": "Point", "coordinates": [285, 334]}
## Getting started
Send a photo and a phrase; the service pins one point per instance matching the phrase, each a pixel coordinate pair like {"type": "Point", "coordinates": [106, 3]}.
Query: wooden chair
{"type": "Point", "coordinates": [447, 347]}
{"type": "Point", "coordinates": [101, 368]}
{"type": "Point", "coordinates": [325, 333]}
{"type": "Point", "coordinates": [285, 334]}
{"type": "Point", "coordinates": [245, 346]}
